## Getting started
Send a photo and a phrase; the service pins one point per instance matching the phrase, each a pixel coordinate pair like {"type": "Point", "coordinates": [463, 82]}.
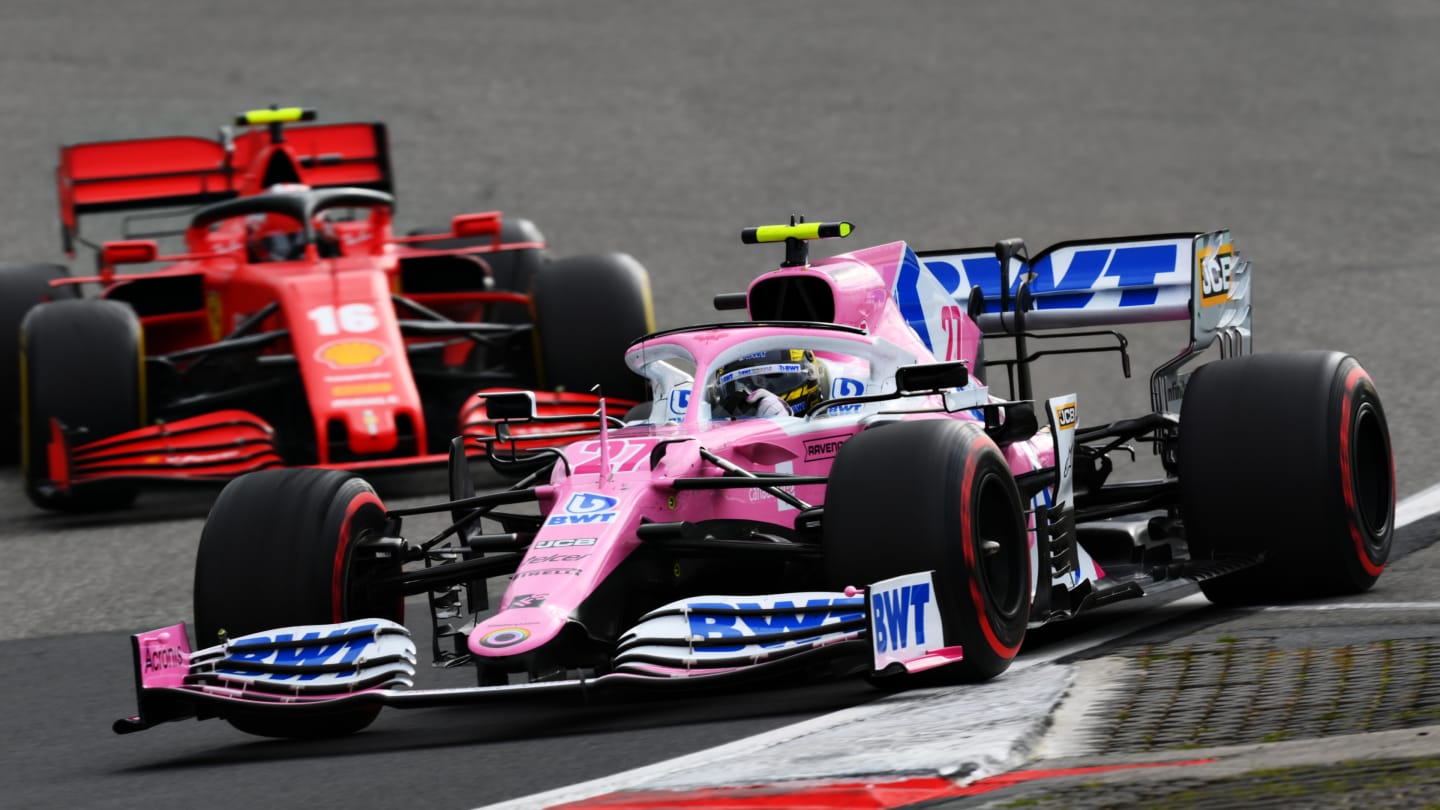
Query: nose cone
{"type": "Point", "coordinates": [515, 631]}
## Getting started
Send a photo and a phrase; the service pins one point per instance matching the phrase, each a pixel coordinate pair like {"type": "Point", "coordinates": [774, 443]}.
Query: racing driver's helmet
{"type": "Point", "coordinates": [773, 383]}
{"type": "Point", "coordinates": [274, 238]}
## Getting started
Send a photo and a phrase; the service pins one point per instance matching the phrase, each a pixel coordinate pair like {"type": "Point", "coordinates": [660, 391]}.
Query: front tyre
{"type": "Point", "coordinates": [1287, 456]}
{"type": "Point", "coordinates": [22, 286]}
{"type": "Point", "coordinates": [289, 547]}
{"type": "Point", "coordinates": [935, 495]}
{"type": "Point", "coordinates": [82, 362]}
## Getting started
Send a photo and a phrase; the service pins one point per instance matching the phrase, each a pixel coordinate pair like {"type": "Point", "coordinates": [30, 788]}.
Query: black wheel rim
{"type": "Point", "coordinates": [1370, 474]}
{"type": "Point", "coordinates": [1002, 556]}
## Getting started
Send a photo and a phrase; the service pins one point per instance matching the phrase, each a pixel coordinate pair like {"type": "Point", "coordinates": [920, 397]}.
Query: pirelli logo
{"type": "Point", "coordinates": [1065, 416]}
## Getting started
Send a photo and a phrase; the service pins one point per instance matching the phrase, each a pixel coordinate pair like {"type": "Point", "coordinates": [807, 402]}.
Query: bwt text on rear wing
{"type": "Point", "coordinates": [1107, 282]}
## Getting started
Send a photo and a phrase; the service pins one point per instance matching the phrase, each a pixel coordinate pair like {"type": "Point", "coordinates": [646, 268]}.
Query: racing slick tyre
{"type": "Point", "coordinates": [287, 547]}
{"type": "Point", "coordinates": [587, 310]}
{"type": "Point", "coordinates": [22, 286]}
{"type": "Point", "coordinates": [935, 494]}
{"type": "Point", "coordinates": [1286, 456]}
{"type": "Point", "coordinates": [82, 362]}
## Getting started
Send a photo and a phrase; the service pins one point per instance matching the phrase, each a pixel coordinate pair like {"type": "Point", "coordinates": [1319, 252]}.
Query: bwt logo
{"type": "Point", "coordinates": [895, 611]}
{"type": "Point", "coordinates": [1065, 416]}
{"type": "Point", "coordinates": [842, 387]}
{"type": "Point", "coordinates": [767, 621]}
{"type": "Point", "coordinates": [311, 655]}
{"type": "Point", "coordinates": [585, 503]}
{"type": "Point", "coordinates": [679, 401]}
{"type": "Point", "coordinates": [583, 508]}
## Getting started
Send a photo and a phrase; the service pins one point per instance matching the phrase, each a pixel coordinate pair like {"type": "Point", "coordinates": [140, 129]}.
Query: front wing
{"type": "Point", "coordinates": [320, 668]}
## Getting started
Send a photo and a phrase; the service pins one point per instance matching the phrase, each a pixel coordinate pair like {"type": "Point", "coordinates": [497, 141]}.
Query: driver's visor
{"type": "Point", "coordinates": [742, 376]}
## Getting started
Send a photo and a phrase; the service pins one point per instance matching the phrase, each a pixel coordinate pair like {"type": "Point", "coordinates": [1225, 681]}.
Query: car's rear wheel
{"type": "Point", "coordinates": [511, 269]}
{"type": "Point", "coordinates": [22, 286]}
{"type": "Point", "coordinates": [82, 363]}
{"type": "Point", "coordinates": [1287, 456]}
{"type": "Point", "coordinates": [290, 547]}
{"type": "Point", "coordinates": [935, 495]}
{"type": "Point", "coordinates": [587, 310]}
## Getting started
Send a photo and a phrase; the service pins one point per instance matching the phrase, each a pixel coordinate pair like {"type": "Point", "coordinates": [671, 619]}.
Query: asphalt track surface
{"type": "Point", "coordinates": [661, 129]}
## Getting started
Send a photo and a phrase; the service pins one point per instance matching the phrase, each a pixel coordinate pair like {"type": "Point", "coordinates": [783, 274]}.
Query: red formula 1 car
{"type": "Point", "coordinates": [294, 328]}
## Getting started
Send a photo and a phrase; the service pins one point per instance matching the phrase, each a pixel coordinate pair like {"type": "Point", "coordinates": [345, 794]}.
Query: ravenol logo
{"type": "Point", "coordinates": [1066, 415]}
{"type": "Point", "coordinates": [583, 508]}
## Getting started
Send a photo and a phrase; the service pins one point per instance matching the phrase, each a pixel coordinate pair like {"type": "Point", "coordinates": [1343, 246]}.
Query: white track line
{"type": "Point", "coordinates": [1037, 693]}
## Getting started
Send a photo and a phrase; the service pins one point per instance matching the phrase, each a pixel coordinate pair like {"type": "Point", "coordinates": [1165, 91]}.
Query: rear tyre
{"type": "Point", "coordinates": [1287, 455]}
{"type": "Point", "coordinates": [935, 495]}
{"type": "Point", "coordinates": [587, 310]}
{"type": "Point", "coordinates": [511, 269]}
{"type": "Point", "coordinates": [22, 286]}
{"type": "Point", "coordinates": [81, 362]}
{"type": "Point", "coordinates": [287, 547]}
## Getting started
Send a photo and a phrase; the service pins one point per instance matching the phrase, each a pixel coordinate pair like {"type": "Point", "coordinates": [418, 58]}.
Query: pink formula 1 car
{"type": "Point", "coordinates": [829, 486]}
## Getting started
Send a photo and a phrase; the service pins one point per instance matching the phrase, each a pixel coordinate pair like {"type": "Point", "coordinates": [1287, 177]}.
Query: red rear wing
{"type": "Point", "coordinates": [182, 170]}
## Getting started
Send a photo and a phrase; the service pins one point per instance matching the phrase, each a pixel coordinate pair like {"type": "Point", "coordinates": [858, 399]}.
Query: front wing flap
{"type": "Point", "coordinates": [693, 644]}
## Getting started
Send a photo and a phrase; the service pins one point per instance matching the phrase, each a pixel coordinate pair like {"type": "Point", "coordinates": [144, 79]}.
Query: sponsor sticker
{"type": "Point", "coordinates": [1214, 265]}
{"type": "Point", "coordinates": [351, 353]}
{"type": "Point", "coordinates": [565, 542]}
{"type": "Point", "coordinates": [503, 637]}
{"type": "Point", "coordinates": [904, 619]}
{"type": "Point", "coordinates": [527, 600]}
{"type": "Point", "coordinates": [824, 447]}
{"type": "Point", "coordinates": [1065, 415]}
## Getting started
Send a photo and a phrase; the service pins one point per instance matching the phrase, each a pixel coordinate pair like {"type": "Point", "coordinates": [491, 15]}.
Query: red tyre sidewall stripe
{"type": "Point", "coordinates": [967, 543]}
{"type": "Point", "coordinates": [1352, 383]}
{"type": "Point", "coordinates": [337, 576]}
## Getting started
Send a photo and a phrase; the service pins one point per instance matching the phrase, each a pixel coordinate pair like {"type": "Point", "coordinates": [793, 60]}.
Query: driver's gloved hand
{"type": "Point", "coordinates": [767, 404]}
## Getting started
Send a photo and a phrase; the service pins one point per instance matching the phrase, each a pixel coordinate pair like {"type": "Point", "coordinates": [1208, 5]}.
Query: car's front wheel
{"type": "Point", "coordinates": [935, 495]}
{"type": "Point", "coordinates": [290, 547]}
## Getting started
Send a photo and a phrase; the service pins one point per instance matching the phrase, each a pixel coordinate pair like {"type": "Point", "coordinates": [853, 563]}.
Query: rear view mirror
{"type": "Point", "coordinates": [470, 226]}
{"type": "Point", "coordinates": [130, 251]}
{"type": "Point", "coordinates": [510, 405]}
{"type": "Point", "coordinates": [932, 377]}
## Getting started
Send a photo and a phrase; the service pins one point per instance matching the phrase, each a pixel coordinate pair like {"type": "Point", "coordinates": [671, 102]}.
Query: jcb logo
{"type": "Point", "coordinates": [1065, 416]}
{"type": "Point", "coordinates": [565, 542]}
{"type": "Point", "coordinates": [1215, 270]}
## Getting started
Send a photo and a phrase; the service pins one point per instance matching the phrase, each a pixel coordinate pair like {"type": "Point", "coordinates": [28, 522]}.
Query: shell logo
{"type": "Point", "coordinates": [354, 353]}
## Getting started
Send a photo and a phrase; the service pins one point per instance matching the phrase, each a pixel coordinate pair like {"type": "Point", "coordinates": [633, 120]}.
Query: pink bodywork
{"type": "Point", "coordinates": [593, 513]}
